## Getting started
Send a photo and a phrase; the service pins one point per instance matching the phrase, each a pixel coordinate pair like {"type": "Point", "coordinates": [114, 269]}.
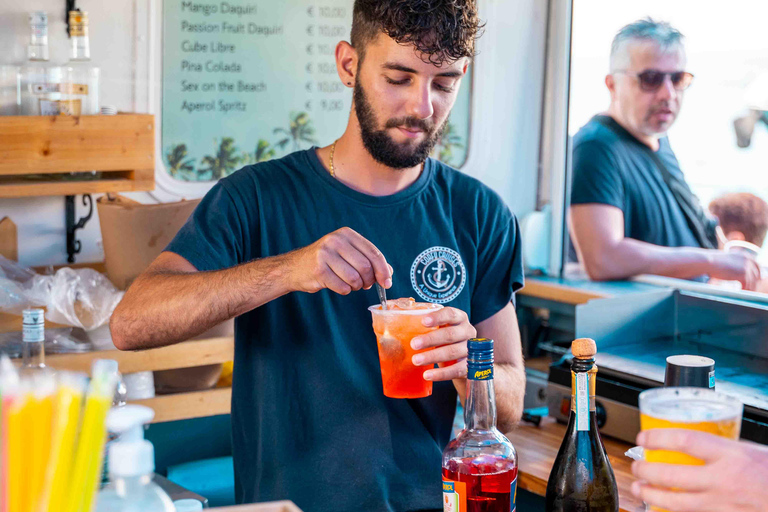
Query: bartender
{"type": "Point", "coordinates": [291, 248]}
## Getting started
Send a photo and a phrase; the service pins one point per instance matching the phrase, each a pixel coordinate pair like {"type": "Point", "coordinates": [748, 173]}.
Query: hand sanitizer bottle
{"type": "Point", "coordinates": [131, 464]}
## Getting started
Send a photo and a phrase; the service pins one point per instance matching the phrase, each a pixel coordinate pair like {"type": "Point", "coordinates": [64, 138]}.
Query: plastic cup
{"type": "Point", "coordinates": [698, 409]}
{"type": "Point", "coordinates": [395, 328]}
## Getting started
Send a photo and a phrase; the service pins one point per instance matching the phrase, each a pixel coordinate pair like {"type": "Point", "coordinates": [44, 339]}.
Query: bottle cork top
{"type": "Point", "coordinates": [584, 348]}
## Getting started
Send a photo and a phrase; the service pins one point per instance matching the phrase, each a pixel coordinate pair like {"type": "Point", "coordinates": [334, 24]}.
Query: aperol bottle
{"type": "Point", "coordinates": [582, 479]}
{"type": "Point", "coordinates": [480, 465]}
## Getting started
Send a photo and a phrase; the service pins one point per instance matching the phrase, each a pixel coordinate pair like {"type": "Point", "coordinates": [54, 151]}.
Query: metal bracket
{"type": "Point", "coordinates": [74, 245]}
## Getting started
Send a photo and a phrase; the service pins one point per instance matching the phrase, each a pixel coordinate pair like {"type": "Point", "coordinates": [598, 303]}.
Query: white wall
{"type": "Point", "coordinates": [506, 111]}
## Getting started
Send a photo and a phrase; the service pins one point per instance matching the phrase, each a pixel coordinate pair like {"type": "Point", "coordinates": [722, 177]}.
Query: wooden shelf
{"type": "Point", "coordinates": [121, 147]}
{"type": "Point", "coordinates": [181, 355]}
{"type": "Point", "coordinates": [195, 404]}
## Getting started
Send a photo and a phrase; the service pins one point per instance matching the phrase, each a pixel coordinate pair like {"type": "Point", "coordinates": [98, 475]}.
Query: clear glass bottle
{"type": "Point", "coordinates": [40, 81]}
{"type": "Point", "coordinates": [80, 92]}
{"type": "Point", "coordinates": [33, 339]}
{"type": "Point", "coordinates": [582, 478]}
{"type": "Point", "coordinates": [480, 464]}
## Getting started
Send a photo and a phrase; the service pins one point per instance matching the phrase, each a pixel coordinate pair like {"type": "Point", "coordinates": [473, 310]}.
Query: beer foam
{"type": "Point", "coordinates": [689, 405]}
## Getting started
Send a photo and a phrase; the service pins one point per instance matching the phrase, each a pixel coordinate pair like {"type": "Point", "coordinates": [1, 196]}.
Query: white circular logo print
{"type": "Point", "coordinates": [438, 275]}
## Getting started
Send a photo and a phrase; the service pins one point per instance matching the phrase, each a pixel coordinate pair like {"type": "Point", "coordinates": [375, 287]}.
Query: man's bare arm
{"type": "Point", "coordinates": [598, 235]}
{"type": "Point", "coordinates": [171, 301]}
{"type": "Point", "coordinates": [509, 369]}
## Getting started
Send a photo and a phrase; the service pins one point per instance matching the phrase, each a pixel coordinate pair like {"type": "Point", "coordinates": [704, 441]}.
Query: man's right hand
{"type": "Point", "coordinates": [733, 266]}
{"type": "Point", "coordinates": [342, 261]}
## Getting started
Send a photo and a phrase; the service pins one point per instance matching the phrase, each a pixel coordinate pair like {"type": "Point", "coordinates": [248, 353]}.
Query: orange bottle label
{"type": "Point", "coordinates": [454, 496]}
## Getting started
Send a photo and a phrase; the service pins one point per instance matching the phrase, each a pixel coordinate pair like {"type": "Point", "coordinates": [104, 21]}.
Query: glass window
{"type": "Point", "coordinates": [247, 83]}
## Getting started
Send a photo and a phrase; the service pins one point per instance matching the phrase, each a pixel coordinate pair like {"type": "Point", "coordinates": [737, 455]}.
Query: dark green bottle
{"type": "Point", "coordinates": [582, 479]}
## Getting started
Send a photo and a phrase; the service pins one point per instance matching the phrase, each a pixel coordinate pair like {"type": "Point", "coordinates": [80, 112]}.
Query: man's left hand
{"type": "Point", "coordinates": [450, 342]}
{"type": "Point", "coordinates": [734, 476]}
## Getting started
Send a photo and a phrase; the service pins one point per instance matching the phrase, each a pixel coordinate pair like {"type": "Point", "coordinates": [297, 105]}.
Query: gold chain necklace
{"type": "Point", "coordinates": [333, 150]}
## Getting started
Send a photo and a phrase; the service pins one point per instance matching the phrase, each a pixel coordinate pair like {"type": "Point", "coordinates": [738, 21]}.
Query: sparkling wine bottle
{"type": "Point", "coordinates": [582, 479]}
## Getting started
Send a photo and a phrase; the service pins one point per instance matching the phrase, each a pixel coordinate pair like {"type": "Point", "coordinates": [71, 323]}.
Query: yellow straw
{"type": "Point", "coordinates": [18, 471]}
{"type": "Point", "coordinates": [68, 403]}
{"type": "Point", "coordinates": [90, 444]}
{"type": "Point", "coordinates": [41, 418]}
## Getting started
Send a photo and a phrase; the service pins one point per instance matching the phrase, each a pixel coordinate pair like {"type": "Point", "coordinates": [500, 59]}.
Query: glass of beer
{"type": "Point", "coordinates": [699, 409]}
{"type": "Point", "coordinates": [395, 327]}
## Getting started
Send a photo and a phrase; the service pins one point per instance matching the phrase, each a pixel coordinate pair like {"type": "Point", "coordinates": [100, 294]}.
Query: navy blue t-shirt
{"type": "Point", "coordinates": [310, 422]}
{"type": "Point", "coordinates": [612, 167]}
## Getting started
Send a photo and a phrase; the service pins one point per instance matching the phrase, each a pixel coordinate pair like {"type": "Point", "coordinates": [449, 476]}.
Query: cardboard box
{"type": "Point", "coordinates": [134, 234]}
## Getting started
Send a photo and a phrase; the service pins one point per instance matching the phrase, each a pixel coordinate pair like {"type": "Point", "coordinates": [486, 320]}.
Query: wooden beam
{"type": "Point", "coordinates": [180, 355]}
{"type": "Point", "coordinates": [182, 406]}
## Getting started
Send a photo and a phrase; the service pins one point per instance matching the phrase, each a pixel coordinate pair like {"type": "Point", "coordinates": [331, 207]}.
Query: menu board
{"type": "Point", "coordinates": [245, 82]}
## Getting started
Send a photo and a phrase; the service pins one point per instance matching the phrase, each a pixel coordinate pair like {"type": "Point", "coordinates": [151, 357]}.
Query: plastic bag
{"type": "Point", "coordinates": [78, 297]}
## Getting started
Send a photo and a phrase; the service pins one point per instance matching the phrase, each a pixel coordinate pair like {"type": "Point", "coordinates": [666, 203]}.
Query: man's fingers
{"type": "Point", "coordinates": [334, 283]}
{"type": "Point", "coordinates": [455, 371]}
{"type": "Point", "coordinates": [684, 478]}
{"type": "Point", "coordinates": [359, 262]}
{"type": "Point", "coordinates": [445, 316]}
{"type": "Point", "coordinates": [673, 501]}
{"type": "Point", "coordinates": [381, 268]}
{"type": "Point", "coordinates": [443, 336]}
{"type": "Point", "coordinates": [345, 271]}
{"type": "Point", "coordinates": [701, 445]}
{"type": "Point", "coordinates": [442, 354]}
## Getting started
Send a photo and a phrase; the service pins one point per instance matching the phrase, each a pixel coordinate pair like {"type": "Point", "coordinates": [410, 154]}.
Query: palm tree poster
{"type": "Point", "coordinates": [243, 88]}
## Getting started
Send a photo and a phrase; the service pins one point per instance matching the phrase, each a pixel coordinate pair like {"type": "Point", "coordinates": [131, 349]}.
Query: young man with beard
{"type": "Point", "coordinates": [292, 247]}
{"type": "Point", "coordinates": [631, 210]}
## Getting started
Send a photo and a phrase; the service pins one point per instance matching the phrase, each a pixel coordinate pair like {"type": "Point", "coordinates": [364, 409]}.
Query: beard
{"type": "Point", "coordinates": [382, 147]}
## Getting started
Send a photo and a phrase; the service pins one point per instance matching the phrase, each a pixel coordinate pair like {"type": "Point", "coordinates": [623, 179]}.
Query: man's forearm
{"type": "Point", "coordinates": [509, 385]}
{"type": "Point", "coordinates": [162, 308]}
{"type": "Point", "coordinates": [632, 257]}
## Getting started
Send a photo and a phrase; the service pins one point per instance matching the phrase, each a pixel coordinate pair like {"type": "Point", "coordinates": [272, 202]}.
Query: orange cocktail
{"type": "Point", "coordinates": [395, 327]}
{"type": "Point", "coordinates": [698, 409]}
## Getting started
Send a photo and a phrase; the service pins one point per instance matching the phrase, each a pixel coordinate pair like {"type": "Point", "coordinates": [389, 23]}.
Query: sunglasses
{"type": "Point", "coordinates": [650, 80]}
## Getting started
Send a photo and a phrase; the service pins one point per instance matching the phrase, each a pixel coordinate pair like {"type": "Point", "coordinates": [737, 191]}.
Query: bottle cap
{"type": "Point", "coordinates": [480, 359]}
{"type": "Point", "coordinates": [584, 348]}
{"type": "Point", "coordinates": [690, 371]}
{"type": "Point", "coordinates": [480, 349]}
{"type": "Point", "coordinates": [33, 325]}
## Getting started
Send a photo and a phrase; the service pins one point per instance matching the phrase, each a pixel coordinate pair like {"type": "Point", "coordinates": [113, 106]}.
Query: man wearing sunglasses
{"type": "Point", "coordinates": [631, 210]}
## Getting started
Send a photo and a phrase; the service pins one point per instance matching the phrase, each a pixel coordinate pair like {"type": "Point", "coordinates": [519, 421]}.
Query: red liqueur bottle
{"type": "Point", "coordinates": [480, 464]}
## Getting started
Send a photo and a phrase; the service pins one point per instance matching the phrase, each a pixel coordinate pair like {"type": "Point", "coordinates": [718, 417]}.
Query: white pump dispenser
{"type": "Point", "coordinates": [131, 463]}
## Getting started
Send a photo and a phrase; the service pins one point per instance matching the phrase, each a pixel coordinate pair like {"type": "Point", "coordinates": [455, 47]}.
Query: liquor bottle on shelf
{"type": "Point", "coordinates": [582, 479]}
{"type": "Point", "coordinates": [40, 81]}
{"type": "Point", "coordinates": [480, 464]}
{"type": "Point", "coordinates": [33, 340]}
{"type": "Point", "coordinates": [80, 87]}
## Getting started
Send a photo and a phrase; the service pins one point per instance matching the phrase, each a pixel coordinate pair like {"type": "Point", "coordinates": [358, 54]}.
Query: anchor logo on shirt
{"type": "Point", "coordinates": [435, 278]}
{"type": "Point", "coordinates": [438, 275]}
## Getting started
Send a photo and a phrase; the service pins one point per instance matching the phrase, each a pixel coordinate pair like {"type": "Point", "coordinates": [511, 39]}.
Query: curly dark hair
{"type": "Point", "coordinates": [743, 212]}
{"type": "Point", "coordinates": [441, 30]}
